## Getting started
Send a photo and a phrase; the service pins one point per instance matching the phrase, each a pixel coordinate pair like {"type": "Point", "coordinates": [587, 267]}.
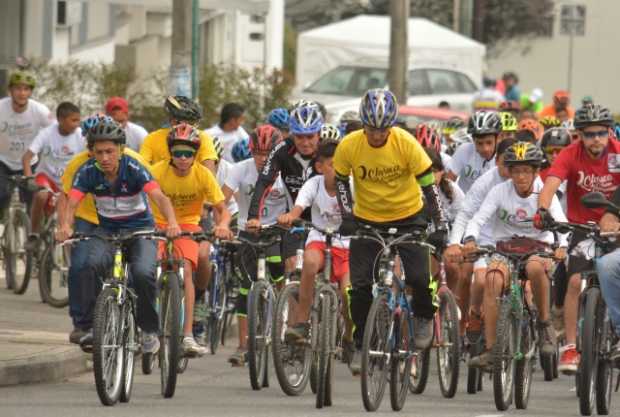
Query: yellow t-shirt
{"type": "Point", "coordinates": [384, 179]}
{"type": "Point", "coordinates": [155, 147]}
{"type": "Point", "coordinates": [86, 210]}
{"type": "Point", "coordinates": [188, 194]}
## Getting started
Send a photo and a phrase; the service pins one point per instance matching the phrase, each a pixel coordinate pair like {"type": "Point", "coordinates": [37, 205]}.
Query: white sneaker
{"type": "Point", "coordinates": [192, 348]}
{"type": "Point", "coordinates": [150, 343]}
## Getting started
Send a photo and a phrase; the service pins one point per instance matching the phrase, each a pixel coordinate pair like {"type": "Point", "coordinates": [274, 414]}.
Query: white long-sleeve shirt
{"type": "Point", "coordinates": [509, 210]}
{"type": "Point", "coordinates": [473, 200]}
{"type": "Point", "coordinates": [468, 165]}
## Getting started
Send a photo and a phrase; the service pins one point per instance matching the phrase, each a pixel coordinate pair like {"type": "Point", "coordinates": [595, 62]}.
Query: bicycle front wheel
{"type": "Point", "coordinates": [170, 338]}
{"type": "Point", "coordinates": [590, 341]}
{"type": "Point", "coordinates": [525, 365]}
{"type": "Point", "coordinates": [54, 276]}
{"type": "Point", "coordinates": [402, 358]}
{"type": "Point", "coordinates": [217, 306]}
{"type": "Point", "coordinates": [503, 355]}
{"type": "Point", "coordinates": [130, 347]}
{"type": "Point", "coordinates": [108, 353]}
{"type": "Point", "coordinates": [259, 329]}
{"type": "Point", "coordinates": [326, 324]}
{"type": "Point", "coordinates": [376, 353]}
{"type": "Point", "coordinates": [20, 264]}
{"type": "Point", "coordinates": [448, 344]}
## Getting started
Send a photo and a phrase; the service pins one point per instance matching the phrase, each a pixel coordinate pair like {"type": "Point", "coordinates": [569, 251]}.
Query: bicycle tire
{"type": "Point", "coordinates": [286, 356]}
{"type": "Point", "coordinates": [106, 333]}
{"type": "Point", "coordinates": [402, 359]}
{"type": "Point", "coordinates": [448, 357]}
{"type": "Point", "coordinates": [257, 345]}
{"type": "Point", "coordinates": [376, 339]}
{"type": "Point", "coordinates": [524, 367]}
{"type": "Point", "coordinates": [324, 354]}
{"type": "Point", "coordinates": [148, 362]}
{"type": "Point", "coordinates": [503, 356]}
{"type": "Point", "coordinates": [216, 318]}
{"type": "Point", "coordinates": [6, 256]}
{"type": "Point", "coordinates": [46, 277]}
{"type": "Point", "coordinates": [130, 344]}
{"type": "Point", "coordinates": [422, 362]}
{"type": "Point", "coordinates": [314, 365]}
{"type": "Point", "coordinates": [588, 364]}
{"type": "Point", "coordinates": [605, 374]}
{"type": "Point", "coordinates": [21, 223]}
{"type": "Point", "coordinates": [474, 375]}
{"type": "Point", "coordinates": [170, 338]}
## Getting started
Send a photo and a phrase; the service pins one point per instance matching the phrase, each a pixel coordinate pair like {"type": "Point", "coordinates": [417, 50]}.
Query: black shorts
{"type": "Point", "coordinates": [291, 242]}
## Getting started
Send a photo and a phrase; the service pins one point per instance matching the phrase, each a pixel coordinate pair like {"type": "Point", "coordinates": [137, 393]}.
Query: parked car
{"type": "Point", "coordinates": [412, 116]}
{"type": "Point", "coordinates": [341, 88]}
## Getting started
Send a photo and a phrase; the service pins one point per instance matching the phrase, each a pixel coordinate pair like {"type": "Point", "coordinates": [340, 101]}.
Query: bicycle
{"type": "Point", "coordinates": [115, 334]}
{"type": "Point", "coordinates": [388, 344]}
{"type": "Point", "coordinates": [261, 302]}
{"type": "Point", "coordinates": [15, 234]}
{"type": "Point", "coordinates": [515, 349]}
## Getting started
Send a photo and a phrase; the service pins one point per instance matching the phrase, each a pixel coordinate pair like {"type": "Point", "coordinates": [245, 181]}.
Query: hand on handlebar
{"type": "Point", "coordinates": [252, 225]}
{"type": "Point", "coordinates": [173, 230]}
{"type": "Point", "coordinates": [223, 232]}
{"type": "Point", "coordinates": [454, 253]}
{"type": "Point", "coordinates": [63, 233]}
{"type": "Point", "coordinates": [285, 219]}
{"type": "Point", "coordinates": [543, 219]}
{"type": "Point", "coordinates": [560, 254]}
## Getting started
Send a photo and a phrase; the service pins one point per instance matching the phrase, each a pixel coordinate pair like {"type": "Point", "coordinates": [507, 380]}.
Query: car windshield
{"type": "Point", "coordinates": [349, 81]}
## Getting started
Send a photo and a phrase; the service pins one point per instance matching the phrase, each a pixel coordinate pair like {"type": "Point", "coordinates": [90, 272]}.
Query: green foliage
{"type": "Point", "coordinates": [90, 85]}
{"type": "Point", "coordinates": [290, 48]}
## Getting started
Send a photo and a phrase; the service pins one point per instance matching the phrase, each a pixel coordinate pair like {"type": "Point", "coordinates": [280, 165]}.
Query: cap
{"type": "Point", "coordinates": [561, 94]}
{"type": "Point", "coordinates": [116, 103]}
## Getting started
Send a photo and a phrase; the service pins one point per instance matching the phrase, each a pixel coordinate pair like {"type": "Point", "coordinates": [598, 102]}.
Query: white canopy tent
{"type": "Point", "coordinates": [366, 39]}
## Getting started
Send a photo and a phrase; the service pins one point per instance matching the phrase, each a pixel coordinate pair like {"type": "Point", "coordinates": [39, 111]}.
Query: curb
{"type": "Point", "coordinates": [44, 368]}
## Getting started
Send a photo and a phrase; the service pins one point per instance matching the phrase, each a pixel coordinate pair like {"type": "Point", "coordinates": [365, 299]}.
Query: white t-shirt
{"type": "Point", "coordinates": [135, 136]}
{"type": "Point", "coordinates": [325, 210]}
{"type": "Point", "coordinates": [17, 130]}
{"type": "Point", "coordinates": [468, 165]}
{"type": "Point", "coordinates": [473, 200]}
{"type": "Point", "coordinates": [223, 171]}
{"type": "Point", "coordinates": [458, 198]}
{"type": "Point", "coordinates": [55, 150]}
{"type": "Point", "coordinates": [242, 179]}
{"type": "Point", "coordinates": [227, 139]}
{"type": "Point", "coordinates": [510, 212]}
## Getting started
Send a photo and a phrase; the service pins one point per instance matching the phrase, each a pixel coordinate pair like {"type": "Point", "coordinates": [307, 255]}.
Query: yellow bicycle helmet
{"type": "Point", "coordinates": [509, 122]}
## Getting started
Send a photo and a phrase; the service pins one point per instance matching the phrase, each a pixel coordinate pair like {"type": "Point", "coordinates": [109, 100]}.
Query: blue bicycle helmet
{"type": "Point", "coordinates": [617, 130]}
{"type": "Point", "coordinates": [241, 150]}
{"type": "Point", "coordinates": [379, 108]}
{"type": "Point", "coordinates": [87, 124]}
{"type": "Point", "coordinates": [305, 120]}
{"type": "Point", "coordinates": [278, 118]}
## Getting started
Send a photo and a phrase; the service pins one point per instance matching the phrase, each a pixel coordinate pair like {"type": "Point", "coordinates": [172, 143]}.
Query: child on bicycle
{"type": "Point", "coordinates": [54, 146]}
{"type": "Point", "coordinates": [511, 205]}
{"type": "Point", "coordinates": [320, 193]}
{"type": "Point", "coordinates": [242, 181]}
{"type": "Point", "coordinates": [189, 186]}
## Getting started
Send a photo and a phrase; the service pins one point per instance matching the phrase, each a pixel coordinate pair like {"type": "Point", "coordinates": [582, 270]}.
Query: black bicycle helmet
{"type": "Point", "coordinates": [593, 115]}
{"type": "Point", "coordinates": [183, 109]}
{"type": "Point", "coordinates": [484, 123]}
{"type": "Point", "coordinates": [557, 136]}
{"type": "Point", "coordinates": [106, 130]}
{"type": "Point", "coordinates": [523, 153]}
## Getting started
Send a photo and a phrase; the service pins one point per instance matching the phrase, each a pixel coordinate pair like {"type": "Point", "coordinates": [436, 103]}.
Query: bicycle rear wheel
{"type": "Point", "coordinates": [525, 366]}
{"type": "Point", "coordinates": [448, 344]}
{"type": "Point", "coordinates": [170, 328]}
{"type": "Point", "coordinates": [605, 374]}
{"type": "Point", "coordinates": [503, 355]}
{"type": "Point", "coordinates": [217, 306]}
{"type": "Point", "coordinates": [376, 353]}
{"type": "Point", "coordinates": [54, 276]}
{"type": "Point", "coordinates": [402, 357]}
{"type": "Point", "coordinates": [290, 360]}
{"type": "Point", "coordinates": [324, 349]}
{"type": "Point", "coordinates": [108, 353]}
{"type": "Point", "coordinates": [130, 346]}
{"type": "Point", "coordinates": [20, 262]}
{"type": "Point", "coordinates": [420, 368]}
{"type": "Point", "coordinates": [258, 331]}
{"type": "Point", "coordinates": [590, 342]}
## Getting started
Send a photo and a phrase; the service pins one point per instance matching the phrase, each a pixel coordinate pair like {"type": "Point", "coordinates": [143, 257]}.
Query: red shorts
{"type": "Point", "coordinates": [183, 247]}
{"type": "Point", "coordinates": [43, 180]}
{"type": "Point", "coordinates": [340, 259]}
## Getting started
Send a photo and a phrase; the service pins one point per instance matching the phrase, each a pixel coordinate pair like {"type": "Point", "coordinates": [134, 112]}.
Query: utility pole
{"type": "Point", "coordinates": [456, 16]}
{"type": "Point", "coordinates": [399, 50]}
{"type": "Point", "coordinates": [181, 51]}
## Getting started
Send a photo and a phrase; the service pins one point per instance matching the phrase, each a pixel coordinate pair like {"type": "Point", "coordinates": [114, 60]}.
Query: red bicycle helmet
{"type": "Point", "coordinates": [428, 137]}
{"type": "Point", "coordinates": [264, 138]}
{"type": "Point", "coordinates": [510, 106]}
{"type": "Point", "coordinates": [184, 134]}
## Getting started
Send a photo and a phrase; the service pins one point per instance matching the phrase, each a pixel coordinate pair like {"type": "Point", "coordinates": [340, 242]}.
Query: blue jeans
{"type": "Point", "coordinates": [82, 292]}
{"type": "Point", "coordinates": [141, 255]}
{"type": "Point", "coordinates": [608, 269]}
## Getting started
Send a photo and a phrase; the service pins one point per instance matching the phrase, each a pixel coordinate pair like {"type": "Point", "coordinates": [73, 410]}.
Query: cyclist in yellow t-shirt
{"type": "Point", "coordinates": [180, 110]}
{"type": "Point", "coordinates": [390, 172]}
{"type": "Point", "coordinates": [81, 307]}
{"type": "Point", "coordinates": [189, 186]}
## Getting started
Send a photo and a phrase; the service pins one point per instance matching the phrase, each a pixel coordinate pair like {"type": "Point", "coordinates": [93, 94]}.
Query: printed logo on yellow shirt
{"type": "Point", "coordinates": [380, 174]}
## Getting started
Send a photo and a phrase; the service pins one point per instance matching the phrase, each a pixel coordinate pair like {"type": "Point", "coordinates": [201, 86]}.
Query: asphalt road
{"type": "Point", "coordinates": [210, 387]}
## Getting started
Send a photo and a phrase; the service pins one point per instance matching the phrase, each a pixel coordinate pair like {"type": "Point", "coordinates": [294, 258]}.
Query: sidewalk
{"type": "Point", "coordinates": [34, 340]}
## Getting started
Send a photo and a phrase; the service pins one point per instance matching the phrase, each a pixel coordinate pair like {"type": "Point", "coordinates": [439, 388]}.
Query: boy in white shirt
{"type": "Point", "coordinates": [319, 193]}
{"type": "Point", "coordinates": [510, 204]}
{"type": "Point", "coordinates": [55, 146]}
{"type": "Point", "coordinates": [229, 130]}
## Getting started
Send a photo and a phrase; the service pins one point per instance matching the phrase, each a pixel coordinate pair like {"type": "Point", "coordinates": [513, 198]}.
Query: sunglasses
{"type": "Point", "coordinates": [187, 154]}
{"type": "Point", "coordinates": [596, 134]}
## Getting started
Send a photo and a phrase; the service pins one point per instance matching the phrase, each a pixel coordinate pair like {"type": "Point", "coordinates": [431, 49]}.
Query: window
{"type": "Point", "coordinates": [467, 85]}
{"type": "Point", "coordinates": [417, 84]}
{"type": "Point", "coordinates": [443, 82]}
{"type": "Point", "coordinates": [366, 79]}
{"type": "Point", "coordinates": [573, 20]}
{"type": "Point", "coordinates": [334, 82]}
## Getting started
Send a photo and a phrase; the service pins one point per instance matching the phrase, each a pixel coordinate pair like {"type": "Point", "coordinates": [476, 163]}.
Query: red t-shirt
{"type": "Point", "coordinates": [584, 175]}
